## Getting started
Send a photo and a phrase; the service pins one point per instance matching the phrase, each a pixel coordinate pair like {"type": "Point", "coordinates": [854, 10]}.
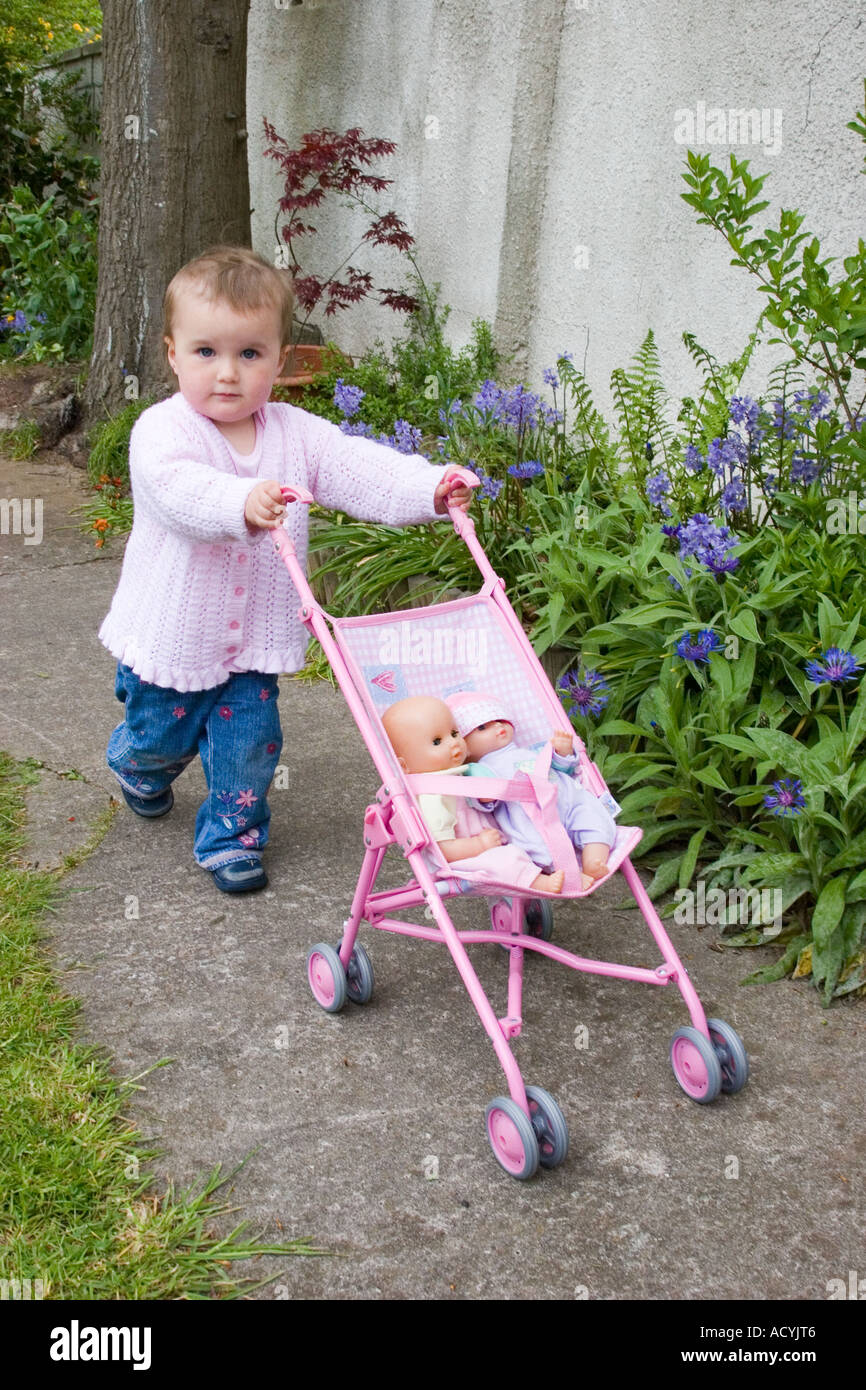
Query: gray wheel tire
{"type": "Point", "coordinates": [732, 1055]}
{"type": "Point", "coordinates": [551, 1131]}
{"type": "Point", "coordinates": [512, 1138]}
{"type": "Point", "coordinates": [327, 978]}
{"type": "Point", "coordinates": [696, 1065]}
{"type": "Point", "coordinates": [359, 976]}
{"type": "Point", "coordinates": [538, 915]}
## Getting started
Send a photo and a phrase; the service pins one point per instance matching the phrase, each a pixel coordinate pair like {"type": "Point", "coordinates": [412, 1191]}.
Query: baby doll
{"type": "Point", "coordinates": [422, 734]}
{"type": "Point", "coordinates": [489, 735]}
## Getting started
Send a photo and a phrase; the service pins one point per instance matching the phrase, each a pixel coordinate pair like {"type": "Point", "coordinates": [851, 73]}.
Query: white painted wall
{"type": "Point", "coordinates": [527, 129]}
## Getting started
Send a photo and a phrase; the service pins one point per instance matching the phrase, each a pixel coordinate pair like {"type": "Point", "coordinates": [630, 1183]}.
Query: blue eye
{"type": "Point", "coordinates": [205, 351]}
{"type": "Point", "coordinates": [249, 354]}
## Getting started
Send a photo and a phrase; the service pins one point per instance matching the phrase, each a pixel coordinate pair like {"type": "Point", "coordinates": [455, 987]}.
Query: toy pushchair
{"type": "Point", "coordinates": [434, 651]}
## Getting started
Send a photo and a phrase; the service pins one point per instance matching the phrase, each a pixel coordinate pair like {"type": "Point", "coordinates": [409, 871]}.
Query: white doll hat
{"type": "Point", "coordinates": [472, 707]}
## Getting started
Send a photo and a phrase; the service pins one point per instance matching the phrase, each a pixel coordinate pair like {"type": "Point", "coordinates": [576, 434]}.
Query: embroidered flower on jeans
{"type": "Point", "coordinates": [225, 712]}
{"type": "Point", "coordinates": [264, 694]}
{"type": "Point", "coordinates": [250, 837]}
{"type": "Point", "coordinates": [178, 711]}
{"type": "Point", "coordinates": [272, 748]}
{"type": "Point", "coordinates": [246, 798]}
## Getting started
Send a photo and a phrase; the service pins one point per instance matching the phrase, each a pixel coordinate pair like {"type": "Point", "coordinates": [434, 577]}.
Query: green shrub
{"type": "Point", "coordinates": [49, 286]}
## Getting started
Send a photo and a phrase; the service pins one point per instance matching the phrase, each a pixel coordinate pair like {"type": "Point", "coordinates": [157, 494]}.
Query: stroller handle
{"type": "Point", "coordinates": [292, 493]}
{"type": "Point", "coordinates": [453, 479]}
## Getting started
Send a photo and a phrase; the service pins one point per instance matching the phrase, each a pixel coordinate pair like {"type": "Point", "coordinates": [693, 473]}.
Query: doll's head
{"type": "Point", "coordinates": [482, 721]}
{"type": "Point", "coordinates": [424, 735]}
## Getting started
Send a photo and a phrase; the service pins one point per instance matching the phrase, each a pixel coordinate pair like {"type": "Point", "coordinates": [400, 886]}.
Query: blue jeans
{"type": "Point", "coordinates": [235, 729]}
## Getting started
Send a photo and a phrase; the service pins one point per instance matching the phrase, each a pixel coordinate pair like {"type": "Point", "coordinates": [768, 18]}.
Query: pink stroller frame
{"type": "Point", "coordinates": [477, 642]}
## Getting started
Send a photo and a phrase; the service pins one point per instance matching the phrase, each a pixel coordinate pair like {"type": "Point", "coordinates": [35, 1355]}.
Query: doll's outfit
{"type": "Point", "coordinates": [452, 818]}
{"type": "Point", "coordinates": [584, 818]}
{"type": "Point", "coordinates": [205, 615]}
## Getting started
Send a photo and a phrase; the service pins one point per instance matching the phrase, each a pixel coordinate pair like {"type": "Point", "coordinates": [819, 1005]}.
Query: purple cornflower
{"type": "Point", "coordinates": [709, 543]}
{"type": "Point", "coordinates": [530, 468]}
{"type": "Point", "coordinates": [788, 800]}
{"type": "Point", "coordinates": [348, 398]}
{"type": "Point", "coordinates": [818, 402]}
{"type": "Point", "coordinates": [838, 666]}
{"type": "Point", "coordinates": [490, 487]}
{"type": "Point", "coordinates": [734, 496]}
{"type": "Point", "coordinates": [16, 323]}
{"type": "Point", "coordinates": [784, 421]}
{"type": "Point", "coordinates": [726, 453]}
{"type": "Point", "coordinates": [407, 437]}
{"type": "Point", "coordinates": [454, 409]}
{"type": "Point", "coordinates": [585, 690]}
{"type": "Point", "coordinates": [489, 399]}
{"type": "Point", "coordinates": [744, 411]}
{"type": "Point", "coordinates": [699, 649]}
{"type": "Point", "coordinates": [356, 427]}
{"type": "Point", "coordinates": [804, 469]}
{"type": "Point", "coordinates": [521, 408]}
{"type": "Point", "coordinates": [694, 459]}
{"type": "Point", "coordinates": [550, 378]}
{"type": "Point", "coordinates": [657, 488]}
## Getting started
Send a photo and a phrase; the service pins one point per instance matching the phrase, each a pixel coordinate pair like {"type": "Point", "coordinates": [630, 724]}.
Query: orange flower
{"type": "Point", "coordinates": [101, 524]}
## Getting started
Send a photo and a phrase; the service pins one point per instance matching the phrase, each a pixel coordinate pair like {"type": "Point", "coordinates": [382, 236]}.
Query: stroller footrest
{"type": "Point", "coordinates": [511, 1026]}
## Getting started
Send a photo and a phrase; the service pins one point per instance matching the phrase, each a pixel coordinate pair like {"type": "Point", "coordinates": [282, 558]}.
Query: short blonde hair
{"type": "Point", "coordinates": [239, 277]}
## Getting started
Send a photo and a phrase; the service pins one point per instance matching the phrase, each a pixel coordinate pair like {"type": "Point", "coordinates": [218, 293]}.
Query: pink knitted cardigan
{"type": "Point", "coordinates": [201, 595]}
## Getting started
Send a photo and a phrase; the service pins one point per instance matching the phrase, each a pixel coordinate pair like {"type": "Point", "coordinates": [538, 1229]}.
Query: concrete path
{"type": "Point", "coordinates": [366, 1129]}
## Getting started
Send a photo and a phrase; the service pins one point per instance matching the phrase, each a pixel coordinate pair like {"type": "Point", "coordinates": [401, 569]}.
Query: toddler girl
{"type": "Point", "coordinates": [205, 615]}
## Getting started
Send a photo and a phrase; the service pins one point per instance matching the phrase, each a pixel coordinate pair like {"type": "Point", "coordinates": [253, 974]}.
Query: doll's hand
{"type": "Point", "coordinates": [563, 743]}
{"type": "Point", "coordinates": [489, 839]}
{"type": "Point", "coordinates": [265, 506]}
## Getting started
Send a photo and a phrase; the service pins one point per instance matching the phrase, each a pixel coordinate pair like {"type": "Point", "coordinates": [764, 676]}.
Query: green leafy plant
{"type": "Point", "coordinates": [49, 286]}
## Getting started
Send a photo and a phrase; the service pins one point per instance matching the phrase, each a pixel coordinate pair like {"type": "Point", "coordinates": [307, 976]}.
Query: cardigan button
{"type": "Point", "coordinates": [242, 559]}
{"type": "Point", "coordinates": [231, 650]}
{"type": "Point", "coordinates": [234, 625]}
{"type": "Point", "coordinates": [240, 591]}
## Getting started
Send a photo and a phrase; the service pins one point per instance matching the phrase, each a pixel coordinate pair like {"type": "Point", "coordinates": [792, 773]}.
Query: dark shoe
{"type": "Point", "coordinates": [240, 876]}
{"type": "Point", "coordinates": [149, 806]}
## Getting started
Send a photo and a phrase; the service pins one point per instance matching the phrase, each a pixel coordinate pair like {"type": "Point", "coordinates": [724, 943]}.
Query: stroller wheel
{"type": "Point", "coordinates": [732, 1056]}
{"type": "Point", "coordinates": [551, 1131]}
{"type": "Point", "coordinates": [538, 915]}
{"type": "Point", "coordinates": [327, 977]}
{"type": "Point", "coordinates": [512, 1137]}
{"type": "Point", "coordinates": [359, 976]}
{"type": "Point", "coordinates": [696, 1066]}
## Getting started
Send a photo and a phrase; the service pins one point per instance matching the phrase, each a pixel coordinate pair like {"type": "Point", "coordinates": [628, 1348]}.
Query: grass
{"type": "Point", "coordinates": [22, 441]}
{"type": "Point", "coordinates": [77, 1207]}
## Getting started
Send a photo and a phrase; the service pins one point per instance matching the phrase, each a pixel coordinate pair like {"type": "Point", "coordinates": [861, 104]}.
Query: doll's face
{"type": "Point", "coordinates": [497, 733]}
{"type": "Point", "coordinates": [423, 735]}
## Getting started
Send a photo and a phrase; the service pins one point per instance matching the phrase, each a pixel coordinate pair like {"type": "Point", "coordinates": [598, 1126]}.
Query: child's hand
{"type": "Point", "coordinates": [563, 743]}
{"type": "Point", "coordinates": [265, 506]}
{"type": "Point", "coordinates": [489, 839]}
{"type": "Point", "coordinates": [459, 497]}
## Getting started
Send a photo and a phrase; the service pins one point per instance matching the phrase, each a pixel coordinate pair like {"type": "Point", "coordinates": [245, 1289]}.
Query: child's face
{"type": "Point", "coordinates": [225, 362]}
{"type": "Point", "coordinates": [496, 733]}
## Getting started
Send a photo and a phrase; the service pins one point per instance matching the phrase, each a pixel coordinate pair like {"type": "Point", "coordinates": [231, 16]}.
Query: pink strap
{"type": "Point", "coordinates": [534, 789]}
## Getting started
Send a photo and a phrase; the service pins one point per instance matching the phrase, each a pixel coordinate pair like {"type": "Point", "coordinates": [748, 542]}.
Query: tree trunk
{"type": "Point", "coordinates": [174, 175]}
